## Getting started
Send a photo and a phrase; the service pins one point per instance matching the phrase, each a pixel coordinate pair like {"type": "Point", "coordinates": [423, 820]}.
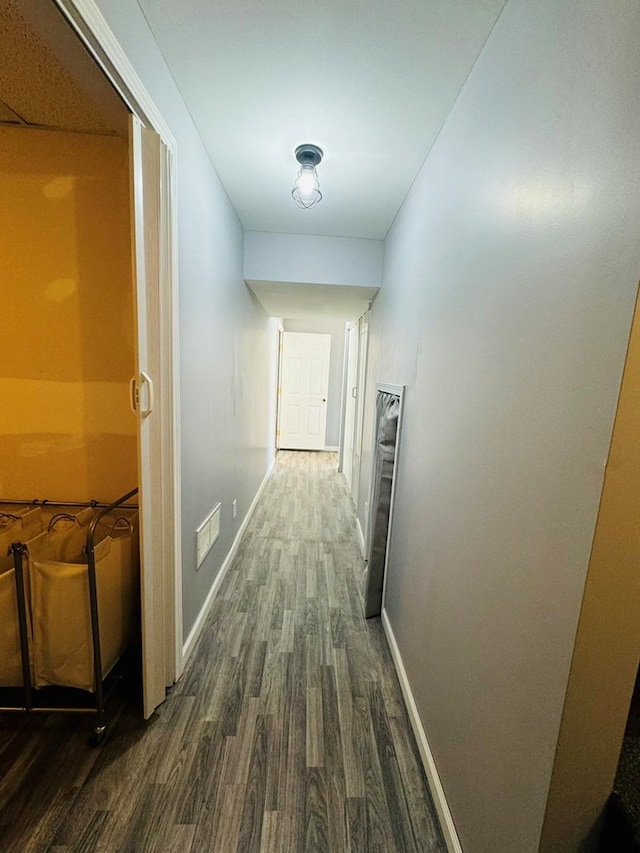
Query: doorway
{"type": "Point", "coordinates": [79, 44]}
{"type": "Point", "coordinates": [363, 352]}
{"type": "Point", "coordinates": [353, 414]}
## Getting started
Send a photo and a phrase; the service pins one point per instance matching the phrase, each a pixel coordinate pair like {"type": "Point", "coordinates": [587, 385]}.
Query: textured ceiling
{"type": "Point", "coordinates": [370, 81]}
{"type": "Point", "coordinates": [7, 115]}
{"type": "Point", "coordinates": [47, 78]}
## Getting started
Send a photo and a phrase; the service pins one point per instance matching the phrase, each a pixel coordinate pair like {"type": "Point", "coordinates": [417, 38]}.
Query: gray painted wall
{"type": "Point", "coordinates": [312, 260]}
{"type": "Point", "coordinates": [335, 328]}
{"type": "Point", "coordinates": [225, 337]}
{"type": "Point", "coordinates": [507, 298]}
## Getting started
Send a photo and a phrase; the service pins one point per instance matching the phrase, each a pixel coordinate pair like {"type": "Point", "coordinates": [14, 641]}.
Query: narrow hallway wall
{"type": "Point", "coordinates": [507, 299]}
{"type": "Point", "coordinates": [225, 336]}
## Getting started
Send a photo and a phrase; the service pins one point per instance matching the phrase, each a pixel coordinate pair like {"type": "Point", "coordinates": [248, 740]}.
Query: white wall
{"type": "Point", "coordinates": [225, 336]}
{"type": "Point", "coordinates": [335, 328]}
{"type": "Point", "coordinates": [508, 290]}
{"type": "Point", "coordinates": [312, 260]}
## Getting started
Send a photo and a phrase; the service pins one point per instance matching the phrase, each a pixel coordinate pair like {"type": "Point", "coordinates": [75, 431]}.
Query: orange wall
{"type": "Point", "coordinates": [67, 329]}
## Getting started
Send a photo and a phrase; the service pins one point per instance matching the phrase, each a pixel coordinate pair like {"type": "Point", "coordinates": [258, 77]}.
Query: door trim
{"type": "Point", "coordinates": [343, 398]}
{"type": "Point", "coordinates": [349, 411]}
{"type": "Point", "coordinates": [279, 384]}
{"type": "Point", "coordinates": [94, 31]}
{"type": "Point", "coordinates": [92, 28]}
{"type": "Point", "coordinates": [361, 385]}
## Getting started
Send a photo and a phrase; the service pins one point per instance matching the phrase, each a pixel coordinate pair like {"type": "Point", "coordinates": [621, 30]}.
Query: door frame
{"type": "Point", "coordinates": [94, 31]}
{"type": "Point", "coordinates": [349, 402]}
{"type": "Point", "coordinates": [343, 397]}
{"type": "Point", "coordinates": [279, 383]}
{"type": "Point", "coordinates": [361, 384]}
{"type": "Point", "coordinates": [357, 355]}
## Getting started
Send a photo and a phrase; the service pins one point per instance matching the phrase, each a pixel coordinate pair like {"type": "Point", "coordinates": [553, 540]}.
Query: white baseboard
{"type": "Point", "coordinates": [360, 537]}
{"type": "Point", "coordinates": [332, 448]}
{"type": "Point", "coordinates": [194, 633]}
{"type": "Point", "coordinates": [435, 785]}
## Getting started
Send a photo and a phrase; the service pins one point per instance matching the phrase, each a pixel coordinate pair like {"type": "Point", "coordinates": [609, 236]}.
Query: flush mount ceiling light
{"type": "Point", "coordinates": [307, 189]}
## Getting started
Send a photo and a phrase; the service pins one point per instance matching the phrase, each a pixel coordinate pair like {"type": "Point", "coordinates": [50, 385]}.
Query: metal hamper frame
{"type": "Point", "coordinates": [18, 550]}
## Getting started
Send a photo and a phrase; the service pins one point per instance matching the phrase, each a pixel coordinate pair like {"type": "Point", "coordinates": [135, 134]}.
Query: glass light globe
{"type": "Point", "coordinates": [307, 181]}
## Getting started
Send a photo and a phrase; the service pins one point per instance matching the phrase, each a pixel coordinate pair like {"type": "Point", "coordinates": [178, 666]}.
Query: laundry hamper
{"type": "Point", "coordinates": [62, 646]}
{"type": "Point", "coordinates": [17, 523]}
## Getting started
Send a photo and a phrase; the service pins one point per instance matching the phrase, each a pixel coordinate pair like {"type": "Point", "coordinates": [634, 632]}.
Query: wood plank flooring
{"type": "Point", "coordinates": [286, 733]}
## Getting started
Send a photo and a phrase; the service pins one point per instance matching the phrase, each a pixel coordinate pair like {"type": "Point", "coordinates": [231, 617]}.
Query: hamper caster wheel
{"type": "Point", "coordinates": [98, 735]}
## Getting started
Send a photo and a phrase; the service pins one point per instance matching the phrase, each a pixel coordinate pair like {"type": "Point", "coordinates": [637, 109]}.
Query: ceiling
{"type": "Point", "coordinates": [47, 78]}
{"type": "Point", "coordinates": [370, 81]}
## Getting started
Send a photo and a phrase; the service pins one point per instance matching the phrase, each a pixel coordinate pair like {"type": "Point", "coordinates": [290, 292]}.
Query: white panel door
{"type": "Point", "coordinates": [304, 389]}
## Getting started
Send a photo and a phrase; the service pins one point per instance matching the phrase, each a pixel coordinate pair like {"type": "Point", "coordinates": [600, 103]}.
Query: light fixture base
{"type": "Point", "coordinates": [309, 154]}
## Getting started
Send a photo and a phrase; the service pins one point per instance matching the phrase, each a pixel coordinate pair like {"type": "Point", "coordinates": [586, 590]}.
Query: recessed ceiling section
{"type": "Point", "coordinates": [371, 83]}
{"type": "Point", "coordinates": [47, 78]}
{"type": "Point", "coordinates": [307, 301]}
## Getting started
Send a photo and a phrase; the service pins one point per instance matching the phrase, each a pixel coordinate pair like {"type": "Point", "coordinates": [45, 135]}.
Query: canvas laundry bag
{"type": "Point", "coordinates": [59, 586]}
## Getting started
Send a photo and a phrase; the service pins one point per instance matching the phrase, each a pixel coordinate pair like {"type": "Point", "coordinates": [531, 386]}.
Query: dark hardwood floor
{"type": "Point", "coordinates": [286, 733]}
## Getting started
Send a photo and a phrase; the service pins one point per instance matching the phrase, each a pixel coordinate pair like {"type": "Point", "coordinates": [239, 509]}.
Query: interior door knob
{"type": "Point", "coordinates": [324, 399]}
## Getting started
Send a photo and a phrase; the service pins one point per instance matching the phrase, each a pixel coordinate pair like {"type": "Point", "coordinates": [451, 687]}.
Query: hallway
{"type": "Point", "coordinates": [287, 731]}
